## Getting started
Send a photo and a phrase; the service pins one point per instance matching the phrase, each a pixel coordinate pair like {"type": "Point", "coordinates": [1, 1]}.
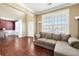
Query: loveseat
{"type": "Point", "coordinates": [61, 44]}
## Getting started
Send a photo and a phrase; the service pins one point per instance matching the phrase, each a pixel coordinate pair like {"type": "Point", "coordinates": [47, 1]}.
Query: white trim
{"type": "Point", "coordinates": [25, 8]}
{"type": "Point", "coordinates": [52, 9]}
{"type": "Point", "coordinates": [53, 16]}
{"type": "Point", "coordinates": [7, 18]}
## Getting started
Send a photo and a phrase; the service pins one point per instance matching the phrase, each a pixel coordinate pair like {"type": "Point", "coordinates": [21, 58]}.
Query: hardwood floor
{"type": "Point", "coordinates": [13, 46]}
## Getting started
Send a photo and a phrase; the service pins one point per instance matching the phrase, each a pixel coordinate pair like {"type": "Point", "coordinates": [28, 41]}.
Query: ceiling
{"type": "Point", "coordinates": [42, 6]}
{"type": "Point", "coordinates": [39, 8]}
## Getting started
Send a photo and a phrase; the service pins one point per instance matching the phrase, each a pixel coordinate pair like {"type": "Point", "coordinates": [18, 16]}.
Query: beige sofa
{"type": "Point", "coordinates": [48, 40]}
{"type": "Point", "coordinates": [61, 44]}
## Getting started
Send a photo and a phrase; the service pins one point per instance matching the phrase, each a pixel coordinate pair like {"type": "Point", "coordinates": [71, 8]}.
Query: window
{"type": "Point", "coordinates": [56, 22]}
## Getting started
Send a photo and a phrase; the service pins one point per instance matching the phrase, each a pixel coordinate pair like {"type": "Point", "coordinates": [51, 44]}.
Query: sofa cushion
{"type": "Point", "coordinates": [76, 45]}
{"type": "Point", "coordinates": [65, 37]}
{"type": "Point", "coordinates": [42, 34]}
{"type": "Point", "coordinates": [47, 41]}
{"type": "Point", "coordinates": [49, 35]}
{"type": "Point", "coordinates": [56, 36]}
{"type": "Point", "coordinates": [41, 41]}
{"type": "Point", "coordinates": [51, 41]}
{"type": "Point", "coordinates": [63, 49]}
{"type": "Point", "coordinates": [74, 42]}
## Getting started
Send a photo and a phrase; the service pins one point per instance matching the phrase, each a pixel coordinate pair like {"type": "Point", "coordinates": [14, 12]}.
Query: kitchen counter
{"type": "Point", "coordinates": [7, 32]}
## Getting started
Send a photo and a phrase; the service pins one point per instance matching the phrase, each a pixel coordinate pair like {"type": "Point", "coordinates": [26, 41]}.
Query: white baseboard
{"type": "Point", "coordinates": [25, 36]}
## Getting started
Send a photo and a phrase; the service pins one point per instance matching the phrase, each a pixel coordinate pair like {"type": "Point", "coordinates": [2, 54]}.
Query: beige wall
{"type": "Point", "coordinates": [24, 27]}
{"type": "Point", "coordinates": [73, 28]}
{"type": "Point", "coordinates": [73, 24]}
{"type": "Point", "coordinates": [38, 25]}
{"type": "Point", "coordinates": [30, 17]}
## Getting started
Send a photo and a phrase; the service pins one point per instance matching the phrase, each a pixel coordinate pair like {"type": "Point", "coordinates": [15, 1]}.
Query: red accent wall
{"type": "Point", "coordinates": [9, 25]}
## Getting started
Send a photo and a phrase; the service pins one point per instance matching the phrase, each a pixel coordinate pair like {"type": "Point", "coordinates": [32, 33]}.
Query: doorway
{"type": "Point", "coordinates": [18, 28]}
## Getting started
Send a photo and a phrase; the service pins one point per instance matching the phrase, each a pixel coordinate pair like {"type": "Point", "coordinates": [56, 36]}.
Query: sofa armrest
{"type": "Point", "coordinates": [36, 36]}
{"type": "Point", "coordinates": [74, 42]}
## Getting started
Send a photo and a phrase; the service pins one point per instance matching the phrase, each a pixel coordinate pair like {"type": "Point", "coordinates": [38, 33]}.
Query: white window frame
{"type": "Point", "coordinates": [57, 13]}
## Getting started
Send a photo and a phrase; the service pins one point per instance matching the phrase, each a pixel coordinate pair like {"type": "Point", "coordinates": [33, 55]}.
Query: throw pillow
{"type": "Point", "coordinates": [65, 37]}
{"type": "Point", "coordinates": [42, 34]}
{"type": "Point", "coordinates": [56, 36]}
{"type": "Point", "coordinates": [74, 42]}
{"type": "Point", "coordinates": [49, 36]}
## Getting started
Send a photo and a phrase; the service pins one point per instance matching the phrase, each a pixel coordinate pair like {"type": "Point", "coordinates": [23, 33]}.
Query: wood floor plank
{"type": "Point", "coordinates": [14, 46]}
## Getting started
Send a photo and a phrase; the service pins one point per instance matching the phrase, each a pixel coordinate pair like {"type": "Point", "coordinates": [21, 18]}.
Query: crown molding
{"type": "Point", "coordinates": [26, 10]}
{"type": "Point", "coordinates": [7, 18]}
{"type": "Point", "coordinates": [19, 7]}
{"type": "Point", "coordinates": [26, 7]}
{"type": "Point", "coordinates": [55, 8]}
{"type": "Point", "coordinates": [48, 10]}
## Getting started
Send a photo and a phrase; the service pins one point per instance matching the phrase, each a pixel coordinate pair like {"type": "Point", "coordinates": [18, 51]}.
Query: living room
{"type": "Point", "coordinates": [52, 29]}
